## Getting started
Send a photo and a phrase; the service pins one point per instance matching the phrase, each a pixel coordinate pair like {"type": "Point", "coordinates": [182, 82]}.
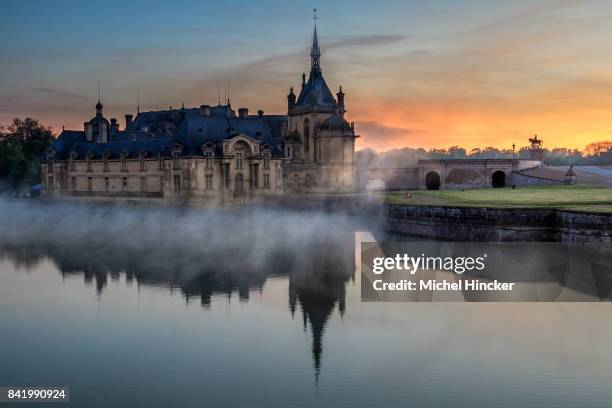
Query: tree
{"type": "Point", "coordinates": [597, 148]}
{"type": "Point", "coordinates": [21, 145]}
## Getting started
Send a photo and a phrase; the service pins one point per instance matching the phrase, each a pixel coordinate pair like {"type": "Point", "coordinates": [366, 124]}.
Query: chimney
{"type": "Point", "coordinates": [128, 120]}
{"type": "Point", "coordinates": [260, 112]}
{"type": "Point", "coordinates": [205, 110]}
{"type": "Point", "coordinates": [243, 112]}
{"type": "Point", "coordinates": [114, 125]}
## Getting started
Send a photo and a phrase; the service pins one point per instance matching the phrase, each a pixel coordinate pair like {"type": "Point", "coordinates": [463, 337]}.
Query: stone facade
{"type": "Point", "coordinates": [209, 153]}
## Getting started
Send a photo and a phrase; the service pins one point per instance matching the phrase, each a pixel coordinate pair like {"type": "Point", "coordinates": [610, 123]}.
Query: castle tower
{"type": "Point", "coordinates": [326, 141]}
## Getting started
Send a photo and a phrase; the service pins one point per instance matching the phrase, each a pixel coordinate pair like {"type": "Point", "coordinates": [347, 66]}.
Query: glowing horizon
{"type": "Point", "coordinates": [472, 74]}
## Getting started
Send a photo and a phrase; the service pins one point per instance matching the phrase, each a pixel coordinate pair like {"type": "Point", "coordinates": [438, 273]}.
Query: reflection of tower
{"type": "Point", "coordinates": [535, 150]}
{"type": "Point", "coordinates": [319, 286]}
{"type": "Point", "coordinates": [317, 303]}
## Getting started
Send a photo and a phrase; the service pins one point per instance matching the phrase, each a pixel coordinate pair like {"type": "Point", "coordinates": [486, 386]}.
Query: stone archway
{"type": "Point", "coordinates": [432, 181]}
{"type": "Point", "coordinates": [238, 185]}
{"type": "Point", "coordinates": [498, 179]}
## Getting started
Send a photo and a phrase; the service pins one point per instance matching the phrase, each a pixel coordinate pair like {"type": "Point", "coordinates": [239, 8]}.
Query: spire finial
{"type": "Point", "coordinates": [99, 92]}
{"type": "Point", "coordinates": [137, 99]}
{"type": "Point", "coordinates": [315, 51]}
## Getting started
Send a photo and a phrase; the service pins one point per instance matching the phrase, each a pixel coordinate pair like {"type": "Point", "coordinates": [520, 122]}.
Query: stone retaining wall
{"type": "Point", "coordinates": [497, 225]}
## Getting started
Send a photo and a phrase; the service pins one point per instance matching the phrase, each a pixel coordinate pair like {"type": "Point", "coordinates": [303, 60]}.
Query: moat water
{"type": "Point", "coordinates": [259, 308]}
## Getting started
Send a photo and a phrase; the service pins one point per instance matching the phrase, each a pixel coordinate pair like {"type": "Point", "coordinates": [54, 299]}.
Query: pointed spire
{"type": "Point", "coordinates": [315, 51]}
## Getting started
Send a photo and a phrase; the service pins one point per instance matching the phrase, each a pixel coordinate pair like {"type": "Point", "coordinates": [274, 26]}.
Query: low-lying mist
{"type": "Point", "coordinates": [213, 248]}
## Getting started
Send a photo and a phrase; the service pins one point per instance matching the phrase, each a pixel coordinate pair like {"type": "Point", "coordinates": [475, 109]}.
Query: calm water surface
{"type": "Point", "coordinates": [161, 308]}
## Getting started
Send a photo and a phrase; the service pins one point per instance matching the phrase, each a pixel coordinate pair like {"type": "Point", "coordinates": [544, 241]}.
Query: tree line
{"type": "Point", "coordinates": [595, 154]}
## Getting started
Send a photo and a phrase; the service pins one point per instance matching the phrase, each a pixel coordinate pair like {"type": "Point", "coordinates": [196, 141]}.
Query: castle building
{"type": "Point", "coordinates": [210, 153]}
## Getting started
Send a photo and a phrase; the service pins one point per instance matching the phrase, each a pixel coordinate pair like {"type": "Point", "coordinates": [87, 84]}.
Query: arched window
{"type": "Point", "coordinates": [306, 134]}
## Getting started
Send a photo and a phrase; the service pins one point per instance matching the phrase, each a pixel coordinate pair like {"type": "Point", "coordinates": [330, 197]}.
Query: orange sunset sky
{"type": "Point", "coordinates": [469, 73]}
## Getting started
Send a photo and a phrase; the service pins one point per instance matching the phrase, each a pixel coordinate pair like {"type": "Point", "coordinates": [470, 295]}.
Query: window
{"type": "Point", "coordinates": [89, 156]}
{"type": "Point", "coordinates": [266, 163]}
{"type": "Point", "coordinates": [125, 184]}
{"type": "Point", "coordinates": [106, 184]}
{"type": "Point", "coordinates": [73, 183]}
{"type": "Point", "coordinates": [124, 161]}
{"type": "Point", "coordinates": [254, 179]}
{"type": "Point", "coordinates": [288, 152]}
{"type": "Point", "coordinates": [177, 183]}
{"type": "Point", "coordinates": [176, 165]}
{"type": "Point", "coordinates": [143, 184]}
{"type": "Point", "coordinates": [308, 181]}
{"type": "Point", "coordinates": [209, 182]}
{"type": "Point", "coordinates": [105, 161]}
{"type": "Point", "coordinates": [141, 161]}
{"type": "Point", "coordinates": [306, 134]}
{"type": "Point", "coordinates": [266, 180]}
{"type": "Point", "coordinates": [72, 161]}
{"type": "Point", "coordinates": [238, 161]}
{"type": "Point", "coordinates": [89, 183]}
{"type": "Point", "coordinates": [50, 167]}
{"type": "Point", "coordinates": [209, 159]}
{"type": "Point", "coordinates": [50, 183]}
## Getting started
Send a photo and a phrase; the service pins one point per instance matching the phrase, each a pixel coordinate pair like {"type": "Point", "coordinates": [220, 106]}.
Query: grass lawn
{"type": "Point", "coordinates": [582, 198]}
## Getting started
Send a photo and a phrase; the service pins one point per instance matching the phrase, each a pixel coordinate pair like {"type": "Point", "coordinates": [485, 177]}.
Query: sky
{"type": "Point", "coordinates": [416, 74]}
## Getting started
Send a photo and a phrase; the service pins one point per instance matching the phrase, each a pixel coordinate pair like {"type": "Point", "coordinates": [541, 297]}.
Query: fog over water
{"type": "Point", "coordinates": [158, 307]}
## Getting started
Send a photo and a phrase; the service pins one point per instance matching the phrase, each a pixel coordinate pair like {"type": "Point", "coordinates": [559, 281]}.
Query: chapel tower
{"type": "Point", "coordinates": [320, 143]}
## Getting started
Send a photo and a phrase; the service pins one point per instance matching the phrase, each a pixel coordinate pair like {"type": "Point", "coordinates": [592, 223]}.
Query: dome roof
{"type": "Point", "coordinates": [335, 122]}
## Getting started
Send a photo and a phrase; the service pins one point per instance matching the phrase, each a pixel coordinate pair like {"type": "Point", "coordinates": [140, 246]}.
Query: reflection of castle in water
{"type": "Point", "coordinates": [317, 270]}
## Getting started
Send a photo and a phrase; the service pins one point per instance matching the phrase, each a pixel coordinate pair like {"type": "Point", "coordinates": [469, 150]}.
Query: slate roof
{"type": "Point", "coordinates": [190, 127]}
{"type": "Point", "coordinates": [316, 93]}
